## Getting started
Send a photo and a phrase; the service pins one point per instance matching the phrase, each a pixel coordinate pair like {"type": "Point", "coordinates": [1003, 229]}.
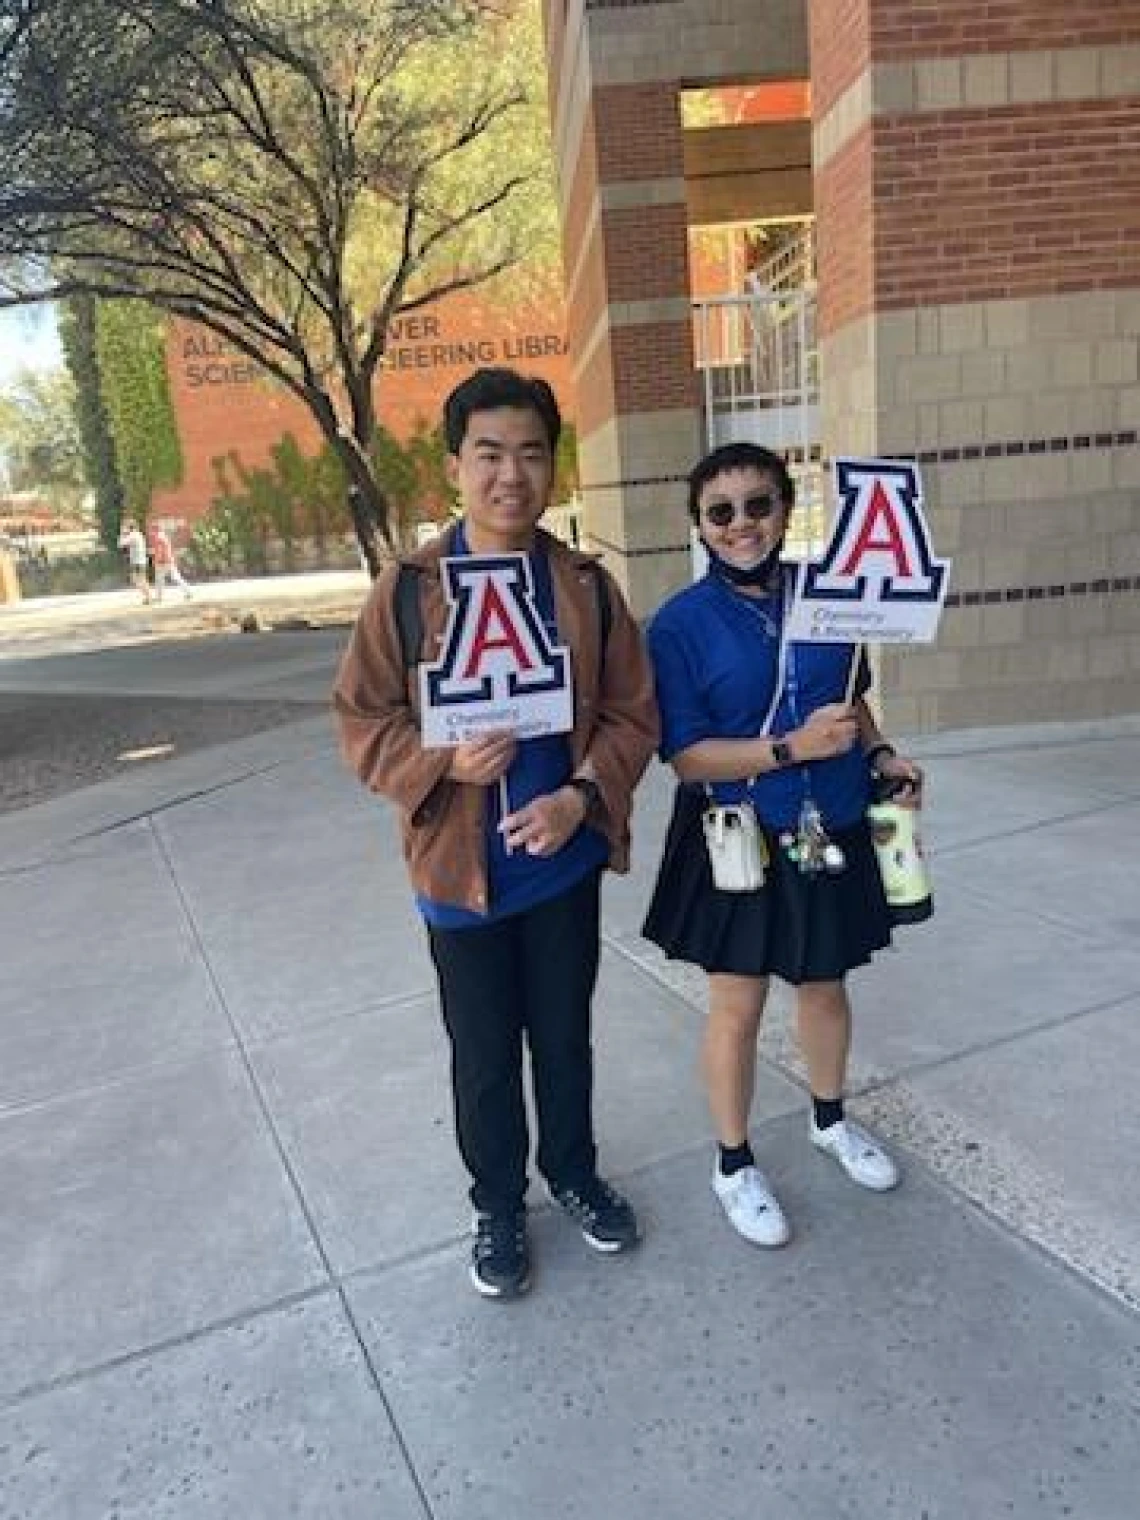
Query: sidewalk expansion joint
{"type": "Point", "coordinates": [61, 853]}
{"type": "Point", "coordinates": [397, 1000]}
{"type": "Point", "coordinates": [1110, 805]}
{"type": "Point", "coordinates": [64, 1380]}
{"type": "Point", "coordinates": [998, 1042]}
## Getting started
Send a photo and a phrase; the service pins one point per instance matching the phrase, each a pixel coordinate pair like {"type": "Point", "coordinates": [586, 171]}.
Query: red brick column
{"type": "Point", "coordinates": [625, 255]}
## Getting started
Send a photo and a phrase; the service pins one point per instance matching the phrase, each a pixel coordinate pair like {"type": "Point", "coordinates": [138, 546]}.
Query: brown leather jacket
{"type": "Point", "coordinates": [615, 721]}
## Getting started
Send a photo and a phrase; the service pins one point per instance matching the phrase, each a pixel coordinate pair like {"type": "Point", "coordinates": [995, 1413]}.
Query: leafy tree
{"type": "Point", "coordinates": [300, 496]}
{"type": "Point", "coordinates": [238, 525]}
{"type": "Point", "coordinates": [131, 350]}
{"type": "Point", "coordinates": [427, 450]}
{"type": "Point", "coordinates": [293, 174]}
{"type": "Point", "coordinates": [77, 331]}
{"type": "Point", "coordinates": [39, 436]}
{"type": "Point", "coordinates": [398, 472]}
{"type": "Point", "coordinates": [316, 486]}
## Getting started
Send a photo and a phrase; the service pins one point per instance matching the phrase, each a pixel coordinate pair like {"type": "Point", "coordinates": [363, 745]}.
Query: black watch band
{"type": "Point", "coordinates": [781, 753]}
{"type": "Point", "coordinates": [590, 790]}
{"type": "Point", "coordinates": [877, 751]}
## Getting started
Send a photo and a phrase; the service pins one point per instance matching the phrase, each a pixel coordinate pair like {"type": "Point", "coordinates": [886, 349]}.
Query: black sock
{"type": "Point", "coordinates": [828, 1111]}
{"type": "Point", "coordinates": [734, 1158]}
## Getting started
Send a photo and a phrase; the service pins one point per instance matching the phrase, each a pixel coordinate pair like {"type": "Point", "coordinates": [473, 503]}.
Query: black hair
{"type": "Point", "coordinates": [490, 390]}
{"type": "Point", "coordinates": [739, 456]}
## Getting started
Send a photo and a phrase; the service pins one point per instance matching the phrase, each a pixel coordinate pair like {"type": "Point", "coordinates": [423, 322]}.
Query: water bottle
{"type": "Point", "coordinates": [894, 815]}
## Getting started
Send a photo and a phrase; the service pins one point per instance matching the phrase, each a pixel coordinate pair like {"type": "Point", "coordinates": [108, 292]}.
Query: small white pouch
{"type": "Point", "coordinates": [738, 851]}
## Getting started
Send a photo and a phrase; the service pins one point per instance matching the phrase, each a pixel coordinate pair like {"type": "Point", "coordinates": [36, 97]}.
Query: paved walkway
{"type": "Point", "coordinates": [97, 619]}
{"type": "Point", "coordinates": [232, 1234]}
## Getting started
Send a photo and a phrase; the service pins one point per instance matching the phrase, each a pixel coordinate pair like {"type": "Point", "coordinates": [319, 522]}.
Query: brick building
{"type": "Point", "coordinates": [225, 404]}
{"type": "Point", "coordinates": [972, 174]}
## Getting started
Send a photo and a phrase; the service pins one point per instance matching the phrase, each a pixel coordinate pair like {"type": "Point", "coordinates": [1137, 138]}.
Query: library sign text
{"type": "Point", "coordinates": [414, 343]}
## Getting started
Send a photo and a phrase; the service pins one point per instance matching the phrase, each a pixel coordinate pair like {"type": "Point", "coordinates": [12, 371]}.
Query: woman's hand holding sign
{"type": "Point", "coordinates": [830, 730]}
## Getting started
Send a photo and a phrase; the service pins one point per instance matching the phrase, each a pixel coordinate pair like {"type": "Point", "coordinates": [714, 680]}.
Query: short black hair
{"type": "Point", "coordinates": [739, 456]}
{"type": "Point", "coordinates": [490, 390]}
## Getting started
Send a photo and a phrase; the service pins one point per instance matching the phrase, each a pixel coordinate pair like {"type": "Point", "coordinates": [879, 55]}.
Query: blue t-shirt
{"type": "Point", "coordinates": [515, 880]}
{"type": "Point", "coordinates": [715, 654]}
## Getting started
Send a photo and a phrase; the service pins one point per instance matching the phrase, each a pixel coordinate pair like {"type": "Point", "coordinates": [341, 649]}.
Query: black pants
{"type": "Point", "coordinates": [531, 974]}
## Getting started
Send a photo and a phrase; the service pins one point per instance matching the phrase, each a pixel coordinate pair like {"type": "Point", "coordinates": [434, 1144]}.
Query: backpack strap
{"type": "Point", "coordinates": [409, 617]}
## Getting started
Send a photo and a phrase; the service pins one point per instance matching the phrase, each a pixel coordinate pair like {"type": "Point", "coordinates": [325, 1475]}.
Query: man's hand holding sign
{"type": "Point", "coordinates": [483, 761]}
{"type": "Point", "coordinates": [545, 825]}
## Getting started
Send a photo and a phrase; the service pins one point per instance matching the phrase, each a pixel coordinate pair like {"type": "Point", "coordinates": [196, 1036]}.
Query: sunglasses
{"type": "Point", "coordinates": [754, 509]}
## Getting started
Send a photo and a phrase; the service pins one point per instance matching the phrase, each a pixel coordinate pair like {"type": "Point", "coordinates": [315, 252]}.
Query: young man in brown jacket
{"type": "Point", "coordinates": [509, 890]}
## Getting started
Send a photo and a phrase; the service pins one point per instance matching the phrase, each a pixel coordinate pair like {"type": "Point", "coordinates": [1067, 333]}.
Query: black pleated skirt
{"type": "Point", "coordinates": [799, 928]}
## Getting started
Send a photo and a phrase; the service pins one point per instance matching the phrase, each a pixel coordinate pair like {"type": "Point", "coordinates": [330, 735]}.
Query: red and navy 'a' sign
{"type": "Point", "coordinates": [878, 580]}
{"type": "Point", "coordinates": [880, 537]}
{"type": "Point", "coordinates": [498, 668]}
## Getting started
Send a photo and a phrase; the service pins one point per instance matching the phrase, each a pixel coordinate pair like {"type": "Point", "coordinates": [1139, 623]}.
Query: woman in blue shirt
{"type": "Point", "coordinates": [751, 718]}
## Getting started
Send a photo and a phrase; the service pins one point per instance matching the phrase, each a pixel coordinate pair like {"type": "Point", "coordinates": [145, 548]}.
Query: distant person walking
{"type": "Point", "coordinates": [165, 563]}
{"type": "Point", "coordinates": [133, 540]}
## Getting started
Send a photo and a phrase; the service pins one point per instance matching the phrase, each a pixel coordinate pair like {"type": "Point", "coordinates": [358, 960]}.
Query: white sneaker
{"type": "Point", "coordinates": [862, 1158]}
{"type": "Point", "coordinates": [753, 1209]}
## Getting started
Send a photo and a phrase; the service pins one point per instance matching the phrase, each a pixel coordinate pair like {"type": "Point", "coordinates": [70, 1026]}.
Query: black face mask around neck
{"type": "Point", "coordinates": [766, 573]}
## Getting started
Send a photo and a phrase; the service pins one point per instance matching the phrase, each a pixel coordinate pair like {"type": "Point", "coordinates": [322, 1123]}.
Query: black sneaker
{"type": "Point", "coordinates": [607, 1221]}
{"type": "Point", "coordinates": [500, 1260]}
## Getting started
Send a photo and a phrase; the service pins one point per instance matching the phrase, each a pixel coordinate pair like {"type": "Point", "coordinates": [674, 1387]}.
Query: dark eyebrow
{"type": "Point", "coordinates": [536, 445]}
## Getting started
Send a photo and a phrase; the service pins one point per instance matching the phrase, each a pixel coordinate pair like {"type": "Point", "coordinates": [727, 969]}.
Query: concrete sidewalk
{"type": "Point", "coordinates": [232, 1239]}
{"type": "Point", "coordinates": [94, 620]}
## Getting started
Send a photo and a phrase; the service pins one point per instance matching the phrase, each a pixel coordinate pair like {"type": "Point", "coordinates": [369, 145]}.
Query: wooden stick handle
{"type": "Point", "coordinates": [853, 674]}
{"type": "Point", "coordinates": [504, 807]}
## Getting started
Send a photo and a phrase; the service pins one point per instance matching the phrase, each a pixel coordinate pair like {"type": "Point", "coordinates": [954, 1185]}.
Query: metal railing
{"type": "Point", "coordinates": [758, 362]}
{"type": "Point", "coordinates": [757, 353]}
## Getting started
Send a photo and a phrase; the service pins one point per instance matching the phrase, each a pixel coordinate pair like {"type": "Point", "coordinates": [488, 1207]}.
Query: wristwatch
{"type": "Point", "coordinates": [590, 790]}
{"type": "Point", "coordinates": [781, 753]}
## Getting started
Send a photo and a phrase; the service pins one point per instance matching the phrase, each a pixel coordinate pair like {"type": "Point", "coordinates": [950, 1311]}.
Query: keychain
{"type": "Point", "coordinates": [811, 848]}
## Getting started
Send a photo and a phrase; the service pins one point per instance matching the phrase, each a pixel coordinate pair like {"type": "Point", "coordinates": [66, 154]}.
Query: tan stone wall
{"type": "Point", "coordinates": [635, 503]}
{"type": "Point", "coordinates": [698, 40]}
{"type": "Point", "coordinates": [1025, 416]}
